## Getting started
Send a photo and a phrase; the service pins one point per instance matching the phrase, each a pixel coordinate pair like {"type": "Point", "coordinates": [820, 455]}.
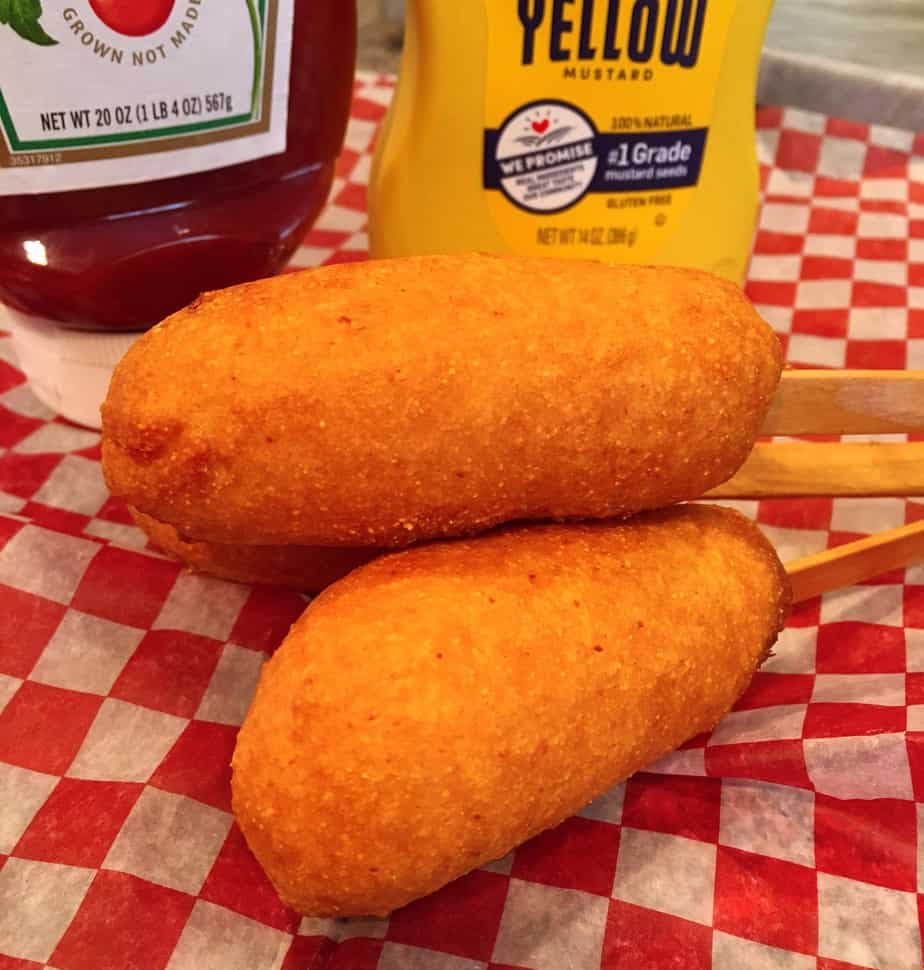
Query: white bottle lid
{"type": "Point", "coordinates": [68, 370]}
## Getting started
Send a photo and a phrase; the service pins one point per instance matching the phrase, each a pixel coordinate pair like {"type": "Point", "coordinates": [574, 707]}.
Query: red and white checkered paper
{"type": "Point", "coordinates": [789, 839]}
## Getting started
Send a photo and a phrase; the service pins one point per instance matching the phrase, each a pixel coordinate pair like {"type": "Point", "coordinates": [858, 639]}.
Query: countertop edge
{"type": "Point", "coordinates": [842, 89]}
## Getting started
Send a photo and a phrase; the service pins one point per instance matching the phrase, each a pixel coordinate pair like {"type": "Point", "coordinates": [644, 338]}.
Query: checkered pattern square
{"type": "Point", "coordinates": [674, 805]}
{"type": "Point", "coordinates": [641, 937]}
{"type": "Point", "coordinates": [544, 926]}
{"type": "Point", "coordinates": [237, 882]}
{"type": "Point", "coordinates": [124, 742]}
{"type": "Point", "coordinates": [199, 764]}
{"type": "Point", "coordinates": [867, 925]}
{"type": "Point", "coordinates": [195, 832]}
{"type": "Point", "coordinates": [38, 901]}
{"type": "Point", "coordinates": [791, 837]}
{"type": "Point", "coordinates": [784, 832]}
{"type": "Point", "coordinates": [873, 841]}
{"type": "Point", "coordinates": [464, 918]}
{"type": "Point", "coordinates": [24, 793]}
{"type": "Point", "coordinates": [124, 921]}
{"type": "Point", "coordinates": [667, 873]}
{"type": "Point", "coordinates": [578, 854]}
{"type": "Point", "coordinates": [769, 900]}
{"type": "Point", "coordinates": [43, 728]}
{"type": "Point", "coordinates": [169, 671]}
{"type": "Point", "coordinates": [215, 938]}
{"type": "Point", "coordinates": [78, 822]}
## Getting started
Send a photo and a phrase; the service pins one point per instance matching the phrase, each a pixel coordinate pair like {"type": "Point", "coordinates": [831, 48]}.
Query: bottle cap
{"type": "Point", "coordinates": [68, 370]}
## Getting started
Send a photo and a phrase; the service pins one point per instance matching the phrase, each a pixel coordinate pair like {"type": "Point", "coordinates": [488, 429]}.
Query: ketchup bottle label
{"type": "Point", "coordinates": [598, 120]}
{"type": "Point", "coordinates": [107, 92]}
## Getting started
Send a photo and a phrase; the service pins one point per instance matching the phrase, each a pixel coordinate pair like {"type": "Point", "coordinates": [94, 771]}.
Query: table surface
{"type": "Point", "coordinates": [791, 837]}
{"type": "Point", "coordinates": [885, 34]}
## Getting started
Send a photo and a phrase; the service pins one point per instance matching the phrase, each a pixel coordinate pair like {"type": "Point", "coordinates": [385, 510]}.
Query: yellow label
{"type": "Point", "coordinates": [597, 120]}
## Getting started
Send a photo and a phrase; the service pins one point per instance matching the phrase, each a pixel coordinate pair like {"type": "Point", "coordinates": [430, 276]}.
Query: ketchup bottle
{"type": "Point", "coordinates": [151, 150]}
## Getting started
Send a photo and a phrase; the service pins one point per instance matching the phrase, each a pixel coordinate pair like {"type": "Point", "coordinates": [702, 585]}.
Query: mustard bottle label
{"type": "Point", "coordinates": [597, 120]}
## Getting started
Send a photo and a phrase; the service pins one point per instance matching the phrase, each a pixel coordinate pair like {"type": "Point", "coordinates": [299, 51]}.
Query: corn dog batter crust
{"type": "Point", "coordinates": [308, 569]}
{"type": "Point", "coordinates": [389, 402]}
{"type": "Point", "coordinates": [443, 704]}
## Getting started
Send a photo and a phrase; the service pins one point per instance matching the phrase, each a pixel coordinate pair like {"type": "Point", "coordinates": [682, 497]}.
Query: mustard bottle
{"type": "Point", "coordinates": [619, 130]}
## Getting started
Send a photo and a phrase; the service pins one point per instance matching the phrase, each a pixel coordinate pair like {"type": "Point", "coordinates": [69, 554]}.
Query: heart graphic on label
{"type": "Point", "coordinates": [541, 127]}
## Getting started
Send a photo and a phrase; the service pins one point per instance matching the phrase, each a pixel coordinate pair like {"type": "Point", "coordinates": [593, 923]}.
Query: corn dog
{"type": "Point", "coordinates": [383, 403]}
{"type": "Point", "coordinates": [308, 569]}
{"type": "Point", "coordinates": [443, 704]}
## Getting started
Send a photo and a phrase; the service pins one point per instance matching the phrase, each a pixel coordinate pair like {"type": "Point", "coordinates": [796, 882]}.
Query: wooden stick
{"type": "Point", "coordinates": [822, 468]}
{"type": "Point", "coordinates": [847, 402]}
{"type": "Point", "coordinates": [854, 562]}
{"type": "Point", "coordinates": [815, 402]}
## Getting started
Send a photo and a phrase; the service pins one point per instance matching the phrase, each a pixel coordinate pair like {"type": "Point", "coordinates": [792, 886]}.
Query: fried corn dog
{"type": "Point", "coordinates": [308, 569]}
{"type": "Point", "coordinates": [383, 403]}
{"type": "Point", "coordinates": [443, 704]}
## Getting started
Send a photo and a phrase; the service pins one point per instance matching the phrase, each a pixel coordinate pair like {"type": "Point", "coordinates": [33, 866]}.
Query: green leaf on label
{"type": "Point", "coordinates": [23, 16]}
{"type": "Point", "coordinates": [255, 26]}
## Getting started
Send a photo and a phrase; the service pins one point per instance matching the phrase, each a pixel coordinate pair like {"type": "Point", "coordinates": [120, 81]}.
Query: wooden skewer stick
{"type": "Point", "coordinates": [838, 402]}
{"type": "Point", "coordinates": [854, 562]}
{"type": "Point", "coordinates": [847, 402]}
{"type": "Point", "coordinates": [822, 468]}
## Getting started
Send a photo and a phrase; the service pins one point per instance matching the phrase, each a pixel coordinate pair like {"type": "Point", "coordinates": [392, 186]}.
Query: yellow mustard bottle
{"type": "Point", "coordinates": [619, 130]}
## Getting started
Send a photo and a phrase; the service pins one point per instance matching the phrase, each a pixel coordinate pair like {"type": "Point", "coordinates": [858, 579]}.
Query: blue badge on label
{"type": "Point", "coordinates": [547, 155]}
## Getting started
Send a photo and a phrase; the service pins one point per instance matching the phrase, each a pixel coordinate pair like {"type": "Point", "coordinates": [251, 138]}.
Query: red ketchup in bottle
{"type": "Point", "coordinates": [151, 150]}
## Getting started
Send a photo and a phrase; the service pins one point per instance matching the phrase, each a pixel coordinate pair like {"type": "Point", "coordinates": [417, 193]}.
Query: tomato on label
{"type": "Point", "coordinates": [133, 17]}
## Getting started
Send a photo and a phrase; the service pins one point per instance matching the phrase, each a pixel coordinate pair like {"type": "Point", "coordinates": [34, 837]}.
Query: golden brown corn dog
{"type": "Point", "coordinates": [443, 704]}
{"type": "Point", "coordinates": [388, 402]}
{"type": "Point", "coordinates": [308, 569]}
